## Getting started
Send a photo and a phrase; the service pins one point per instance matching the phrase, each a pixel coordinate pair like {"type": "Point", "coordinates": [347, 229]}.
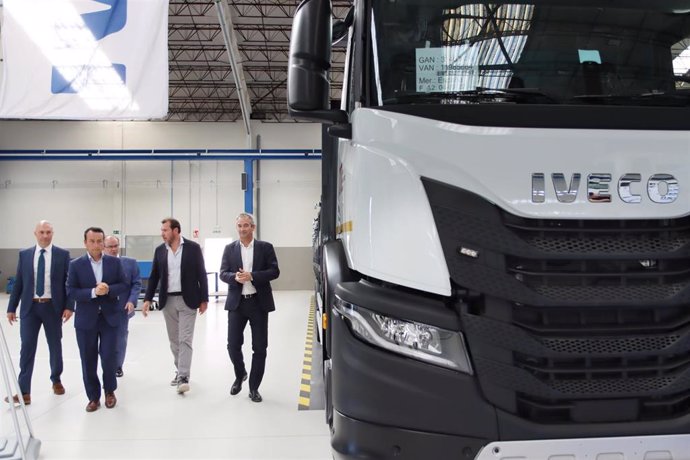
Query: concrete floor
{"type": "Point", "coordinates": [151, 421]}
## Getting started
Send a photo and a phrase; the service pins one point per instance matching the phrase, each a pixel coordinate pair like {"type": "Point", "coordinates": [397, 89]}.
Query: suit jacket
{"type": "Point", "coordinates": [80, 282]}
{"type": "Point", "coordinates": [24, 288]}
{"type": "Point", "coordinates": [193, 275]}
{"type": "Point", "coordinates": [133, 280]}
{"type": "Point", "coordinates": [264, 270]}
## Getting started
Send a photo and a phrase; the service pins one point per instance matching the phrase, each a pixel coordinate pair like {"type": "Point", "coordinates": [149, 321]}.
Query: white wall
{"type": "Point", "coordinates": [289, 192]}
{"type": "Point", "coordinates": [154, 135]}
{"type": "Point", "coordinates": [133, 196]}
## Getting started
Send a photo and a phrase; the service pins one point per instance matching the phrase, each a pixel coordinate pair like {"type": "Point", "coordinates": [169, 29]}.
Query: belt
{"type": "Point", "coordinates": [248, 296]}
{"type": "Point", "coordinates": [174, 293]}
{"type": "Point", "coordinates": [37, 300]}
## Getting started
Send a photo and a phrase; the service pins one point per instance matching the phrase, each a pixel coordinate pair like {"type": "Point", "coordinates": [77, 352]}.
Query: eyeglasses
{"type": "Point", "coordinates": [113, 246]}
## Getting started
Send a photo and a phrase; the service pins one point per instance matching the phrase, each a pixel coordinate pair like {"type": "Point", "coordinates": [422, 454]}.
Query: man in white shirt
{"type": "Point", "coordinates": [96, 281]}
{"type": "Point", "coordinates": [248, 266]}
{"type": "Point", "coordinates": [40, 289]}
{"type": "Point", "coordinates": [178, 266]}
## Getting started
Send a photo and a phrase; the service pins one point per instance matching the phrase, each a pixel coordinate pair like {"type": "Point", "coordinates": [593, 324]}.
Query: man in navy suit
{"type": "Point", "coordinates": [248, 266]}
{"type": "Point", "coordinates": [128, 300]}
{"type": "Point", "coordinates": [178, 264]}
{"type": "Point", "coordinates": [40, 287]}
{"type": "Point", "coordinates": [95, 281]}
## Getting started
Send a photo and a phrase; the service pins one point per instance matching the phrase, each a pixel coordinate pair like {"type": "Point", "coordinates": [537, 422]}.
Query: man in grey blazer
{"type": "Point", "coordinates": [40, 290]}
{"type": "Point", "coordinates": [128, 300]}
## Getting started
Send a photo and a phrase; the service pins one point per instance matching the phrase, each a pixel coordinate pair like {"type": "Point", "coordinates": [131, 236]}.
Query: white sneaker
{"type": "Point", "coordinates": [173, 382]}
{"type": "Point", "coordinates": [182, 385]}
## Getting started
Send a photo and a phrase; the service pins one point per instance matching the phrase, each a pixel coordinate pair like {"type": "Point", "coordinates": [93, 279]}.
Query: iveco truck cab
{"type": "Point", "coordinates": [505, 227]}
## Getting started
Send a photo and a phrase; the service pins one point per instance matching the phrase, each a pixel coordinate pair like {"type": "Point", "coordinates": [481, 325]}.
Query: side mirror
{"type": "Point", "coordinates": [308, 87]}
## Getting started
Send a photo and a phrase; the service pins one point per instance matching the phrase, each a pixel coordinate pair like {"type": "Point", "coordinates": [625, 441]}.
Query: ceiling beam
{"type": "Point", "coordinates": [236, 64]}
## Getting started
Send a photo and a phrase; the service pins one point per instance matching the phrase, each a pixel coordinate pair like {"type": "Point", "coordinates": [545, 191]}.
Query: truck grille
{"type": "Point", "coordinates": [571, 320]}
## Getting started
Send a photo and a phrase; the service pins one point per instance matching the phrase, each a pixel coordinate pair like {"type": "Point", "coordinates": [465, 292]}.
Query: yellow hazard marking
{"type": "Point", "coordinates": [344, 227]}
{"type": "Point", "coordinates": [305, 386]}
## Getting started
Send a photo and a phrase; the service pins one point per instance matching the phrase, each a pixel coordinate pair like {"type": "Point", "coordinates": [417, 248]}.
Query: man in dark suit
{"type": "Point", "coordinates": [40, 287]}
{"type": "Point", "coordinates": [95, 281]}
{"type": "Point", "coordinates": [128, 300]}
{"type": "Point", "coordinates": [248, 266]}
{"type": "Point", "coordinates": [178, 265]}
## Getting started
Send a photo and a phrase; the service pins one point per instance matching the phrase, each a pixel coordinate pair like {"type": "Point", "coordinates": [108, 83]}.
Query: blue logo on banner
{"type": "Point", "coordinates": [101, 24]}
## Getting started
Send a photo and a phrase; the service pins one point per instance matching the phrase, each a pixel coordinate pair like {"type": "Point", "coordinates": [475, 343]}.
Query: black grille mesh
{"type": "Point", "coordinates": [610, 346]}
{"type": "Point", "coordinates": [560, 313]}
{"type": "Point", "coordinates": [604, 244]}
{"type": "Point", "coordinates": [581, 389]}
{"type": "Point", "coordinates": [648, 293]}
{"type": "Point", "coordinates": [614, 387]}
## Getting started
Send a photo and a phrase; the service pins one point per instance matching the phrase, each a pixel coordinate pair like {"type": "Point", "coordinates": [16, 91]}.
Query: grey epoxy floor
{"type": "Point", "coordinates": [151, 421]}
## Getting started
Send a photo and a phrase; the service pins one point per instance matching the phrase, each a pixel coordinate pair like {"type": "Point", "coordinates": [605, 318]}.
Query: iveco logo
{"type": "Point", "coordinates": [661, 188]}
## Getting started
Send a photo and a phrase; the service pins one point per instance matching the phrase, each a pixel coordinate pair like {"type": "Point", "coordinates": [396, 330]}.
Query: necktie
{"type": "Point", "coordinates": [41, 274]}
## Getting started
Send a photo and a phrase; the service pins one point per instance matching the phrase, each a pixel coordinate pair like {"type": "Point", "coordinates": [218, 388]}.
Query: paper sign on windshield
{"type": "Point", "coordinates": [446, 69]}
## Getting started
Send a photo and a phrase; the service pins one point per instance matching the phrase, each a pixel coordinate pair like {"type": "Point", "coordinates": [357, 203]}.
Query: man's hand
{"type": "Point", "coordinates": [145, 308]}
{"type": "Point", "coordinates": [243, 277]}
{"type": "Point", "coordinates": [129, 306]}
{"type": "Point", "coordinates": [102, 289]}
{"type": "Point", "coordinates": [202, 307]}
{"type": "Point", "coordinates": [11, 317]}
{"type": "Point", "coordinates": [66, 315]}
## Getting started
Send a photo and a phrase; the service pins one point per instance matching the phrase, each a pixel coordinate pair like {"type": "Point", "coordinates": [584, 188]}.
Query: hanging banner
{"type": "Point", "coordinates": [85, 59]}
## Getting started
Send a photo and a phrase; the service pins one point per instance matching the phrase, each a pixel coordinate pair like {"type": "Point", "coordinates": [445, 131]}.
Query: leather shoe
{"type": "Point", "coordinates": [15, 399]}
{"type": "Point", "coordinates": [237, 385]}
{"type": "Point", "coordinates": [255, 396]}
{"type": "Point", "coordinates": [58, 389]}
{"type": "Point", "coordinates": [119, 373]}
{"type": "Point", "coordinates": [92, 406]}
{"type": "Point", "coordinates": [110, 400]}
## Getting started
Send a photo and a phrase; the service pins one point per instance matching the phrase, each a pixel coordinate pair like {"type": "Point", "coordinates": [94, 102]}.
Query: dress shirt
{"type": "Point", "coordinates": [175, 267]}
{"type": "Point", "coordinates": [248, 266]}
{"type": "Point", "coordinates": [47, 257]}
{"type": "Point", "coordinates": [97, 267]}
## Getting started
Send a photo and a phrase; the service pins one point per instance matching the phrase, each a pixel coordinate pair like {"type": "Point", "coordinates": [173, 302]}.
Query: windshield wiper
{"type": "Point", "coordinates": [417, 98]}
{"type": "Point", "coordinates": [529, 93]}
{"type": "Point", "coordinates": [678, 98]}
{"type": "Point", "coordinates": [477, 95]}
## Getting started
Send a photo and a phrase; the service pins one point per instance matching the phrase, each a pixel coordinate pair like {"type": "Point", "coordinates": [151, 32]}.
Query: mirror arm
{"type": "Point", "coordinates": [324, 116]}
{"type": "Point", "coordinates": [343, 130]}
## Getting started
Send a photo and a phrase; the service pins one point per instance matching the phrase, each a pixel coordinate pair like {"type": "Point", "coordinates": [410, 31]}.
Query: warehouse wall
{"type": "Point", "coordinates": [131, 197]}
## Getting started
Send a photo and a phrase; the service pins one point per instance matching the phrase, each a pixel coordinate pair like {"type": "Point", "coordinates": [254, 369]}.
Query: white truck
{"type": "Point", "coordinates": [504, 269]}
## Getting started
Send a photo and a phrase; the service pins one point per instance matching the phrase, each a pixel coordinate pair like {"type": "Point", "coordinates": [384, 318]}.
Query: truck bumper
{"type": "Point", "coordinates": [390, 407]}
{"type": "Point", "coordinates": [671, 447]}
{"type": "Point", "coordinates": [355, 439]}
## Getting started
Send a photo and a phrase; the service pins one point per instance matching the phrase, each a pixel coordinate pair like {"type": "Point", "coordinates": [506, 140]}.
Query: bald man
{"type": "Point", "coordinates": [40, 291]}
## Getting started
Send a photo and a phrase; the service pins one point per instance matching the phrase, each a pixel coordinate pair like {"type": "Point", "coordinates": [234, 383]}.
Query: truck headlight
{"type": "Point", "coordinates": [423, 342]}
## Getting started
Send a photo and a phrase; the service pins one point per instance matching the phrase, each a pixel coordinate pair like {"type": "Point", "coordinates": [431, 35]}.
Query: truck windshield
{"type": "Point", "coordinates": [634, 53]}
